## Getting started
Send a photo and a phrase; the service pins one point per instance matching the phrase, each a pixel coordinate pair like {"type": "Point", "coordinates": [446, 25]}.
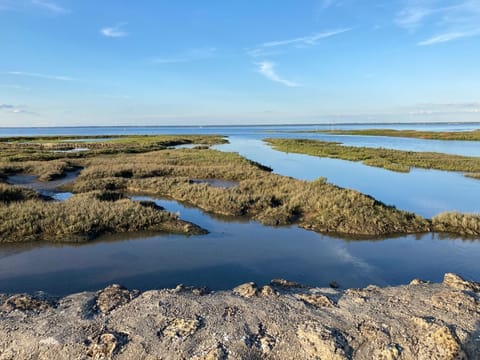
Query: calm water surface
{"type": "Point", "coordinates": [234, 252]}
{"type": "Point", "coordinates": [238, 250]}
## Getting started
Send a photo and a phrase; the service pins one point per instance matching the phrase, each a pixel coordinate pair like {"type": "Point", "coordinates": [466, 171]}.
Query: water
{"type": "Point", "coordinates": [425, 192]}
{"type": "Point", "coordinates": [235, 251]}
{"type": "Point", "coordinates": [239, 250]}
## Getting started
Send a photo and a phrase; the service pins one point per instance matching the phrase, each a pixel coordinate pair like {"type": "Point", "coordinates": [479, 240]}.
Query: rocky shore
{"type": "Point", "coordinates": [282, 320]}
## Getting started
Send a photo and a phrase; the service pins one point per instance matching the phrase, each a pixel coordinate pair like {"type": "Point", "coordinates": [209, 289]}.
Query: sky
{"type": "Point", "coordinates": [190, 62]}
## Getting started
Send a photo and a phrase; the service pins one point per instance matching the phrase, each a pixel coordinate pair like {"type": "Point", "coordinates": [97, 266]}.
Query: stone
{"type": "Point", "coordinates": [419, 282]}
{"type": "Point", "coordinates": [24, 303]}
{"type": "Point", "coordinates": [181, 328]}
{"type": "Point", "coordinates": [320, 342]}
{"type": "Point", "coordinates": [114, 296]}
{"type": "Point", "coordinates": [458, 283]}
{"type": "Point", "coordinates": [437, 341]}
{"type": "Point", "coordinates": [247, 290]}
{"type": "Point", "coordinates": [268, 291]}
{"type": "Point", "coordinates": [103, 347]}
{"type": "Point", "coordinates": [317, 300]}
{"type": "Point", "coordinates": [285, 283]}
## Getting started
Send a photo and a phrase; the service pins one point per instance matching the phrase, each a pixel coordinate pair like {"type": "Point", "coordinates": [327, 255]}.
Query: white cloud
{"type": "Point", "coordinates": [267, 69]}
{"type": "Point", "coordinates": [50, 6]}
{"type": "Point", "coordinates": [40, 76]}
{"type": "Point", "coordinates": [114, 31]}
{"type": "Point", "coordinates": [276, 47]}
{"type": "Point", "coordinates": [191, 55]}
{"type": "Point", "coordinates": [448, 37]}
{"type": "Point", "coordinates": [451, 22]}
{"type": "Point", "coordinates": [306, 40]}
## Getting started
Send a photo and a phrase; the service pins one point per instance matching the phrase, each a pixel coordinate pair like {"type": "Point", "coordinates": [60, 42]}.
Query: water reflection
{"type": "Point", "coordinates": [234, 252]}
{"type": "Point", "coordinates": [425, 192]}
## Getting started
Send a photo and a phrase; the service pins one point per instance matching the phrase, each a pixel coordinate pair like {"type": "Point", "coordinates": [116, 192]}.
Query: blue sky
{"type": "Point", "coordinates": [190, 62]}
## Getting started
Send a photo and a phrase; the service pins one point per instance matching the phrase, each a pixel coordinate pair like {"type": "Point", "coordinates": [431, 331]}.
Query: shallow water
{"type": "Point", "coordinates": [46, 188]}
{"type": "Point", "coordinates": [235, 251]}
{"type": "Point", "coordinates": [425, 192]}
{"type": "Point", "coordinates": [238, 250]}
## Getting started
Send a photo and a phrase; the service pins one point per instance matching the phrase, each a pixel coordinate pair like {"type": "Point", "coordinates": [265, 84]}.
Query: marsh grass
{"type": "Point", "coordinates": [457, 223]}
{"type": "Point", "coordinates": [269, 198]}
{"type": "Point", "coordinates": [10, 193]}
{"type": "Point", "coordinates": [395, 160]}
{"type": "Point", "coordinates": [473, 135]}
{"type": "Point", "coordinates": [99, 205]}
{"type": "Point", "coordinates": [84, 217]}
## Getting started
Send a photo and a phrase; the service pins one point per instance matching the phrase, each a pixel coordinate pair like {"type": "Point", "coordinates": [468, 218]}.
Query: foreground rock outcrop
{"type": "Point", "coordinates": [282, 320]}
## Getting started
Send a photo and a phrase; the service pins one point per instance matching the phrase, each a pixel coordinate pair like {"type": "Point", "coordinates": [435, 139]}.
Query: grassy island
{"type": "Point", "coordinates": [395, 160]}
{"type": "Point", "coordinates": [113, 170]}
{"type": "Point", "coordinates": [473, 135]}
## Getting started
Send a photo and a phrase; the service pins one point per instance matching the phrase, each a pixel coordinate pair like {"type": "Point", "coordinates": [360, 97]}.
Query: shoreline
{"type": "Point", "coordinates": [281, 320]}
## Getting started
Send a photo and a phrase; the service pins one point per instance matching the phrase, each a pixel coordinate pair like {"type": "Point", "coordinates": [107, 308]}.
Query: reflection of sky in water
{"type": "Point", "coordinates": [234, 252]}
{"type": "Point", "coordinates": [426, 192]}
{"type": "Point", "coordinates": [239, 250]}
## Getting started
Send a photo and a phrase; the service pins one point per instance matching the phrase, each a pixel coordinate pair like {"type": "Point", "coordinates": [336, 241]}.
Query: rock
{"type": "Point", "coordinates": [247, 290]}
{"type": "Point", "coordinates": [181, 328]}
{"type": "Point", "coordinates": [391, 352]}
{"type": "Point", "coordinates": [268, 291]}
{"type": "Point", "coordinates": [113, 297]}
{"type": "Point", "coordinates": [334, 285]}
{"type": "Point", "coordinates": [454, 300]}
{"type": "Point", "coordinates": [285, 284]}
{"type": "Point", "coordinates": [200, 291]}
{"type": "Point", "coordinates": [103, 347]}
{"type": "Point", "coordinates": [261, 340]}
{"type": "Point", "coordinates": [317, 300]}
{"type": "Point", "coordinates": [217, 353]}
{"type": "Point", "coordinates": [437, 341]}
{"type": "Point", "coordinates": [24, 303]}
{"type": "Point", "coordinates": [419, 282]}
{"type": "Point", "coordinates": [456, 282]}
{"type": "Point", "coordinates": [320, 342]}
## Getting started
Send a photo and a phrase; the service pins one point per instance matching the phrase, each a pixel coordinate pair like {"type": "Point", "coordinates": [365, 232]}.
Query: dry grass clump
{"type": "Point", "coordinates": [473, 175]}
{"type": "Point", "coordinates": [457, 223]}
{"type": "Point", "coordinates": [10, 193]}
{"type": "Point", "coordinates": [395, 160]}
{"type": "Point", "coordinates": [84, 217]}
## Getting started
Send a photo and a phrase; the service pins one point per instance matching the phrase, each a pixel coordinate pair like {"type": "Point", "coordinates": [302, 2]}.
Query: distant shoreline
{"type": "Point", "coordinates": [245, 125]}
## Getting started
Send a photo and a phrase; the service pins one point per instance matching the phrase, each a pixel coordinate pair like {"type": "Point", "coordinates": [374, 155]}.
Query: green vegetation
{"type": "Point", "coordinates": [100, 206]}
{"type": "Point", "coordinates": [35, 155]}
{"type": "Point", "coordinates": [83, 217]}
{"type": "Point", "coordinates": [395, 160]}
{"type": "Point", "coordinates": [266, 197]}
{"type": "Point", "coordinates": [473, 135]}
{"type": "Point", "coordinates": [9, 193]}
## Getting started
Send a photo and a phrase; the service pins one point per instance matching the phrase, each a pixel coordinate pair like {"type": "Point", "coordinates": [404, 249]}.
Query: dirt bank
{"type": "Point", "coordinates": [282, 320]}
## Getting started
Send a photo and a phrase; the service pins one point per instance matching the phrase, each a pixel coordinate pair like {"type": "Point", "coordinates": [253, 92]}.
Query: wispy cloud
{"type": "Point", "coordinates": [452, 22]}
{"type": "Point", "coordinates": [277, 47]}
{"type": "Point", "coordinates": [191, 55]}
{"type": "Point", "coordinates": [50, 6]}
{"type": "Point", "coordinates": [306, 40]}
{"type": "Point", "coordinates": [40, 76]}
{"type": "Point", "coordinates": [114, 31]}
{"type": "Point", "coordinates": [267, 69]}
{"type": "Point", "coordinates": [448, 37]}
{"type": "Point", "coordinates": [15, 109]}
